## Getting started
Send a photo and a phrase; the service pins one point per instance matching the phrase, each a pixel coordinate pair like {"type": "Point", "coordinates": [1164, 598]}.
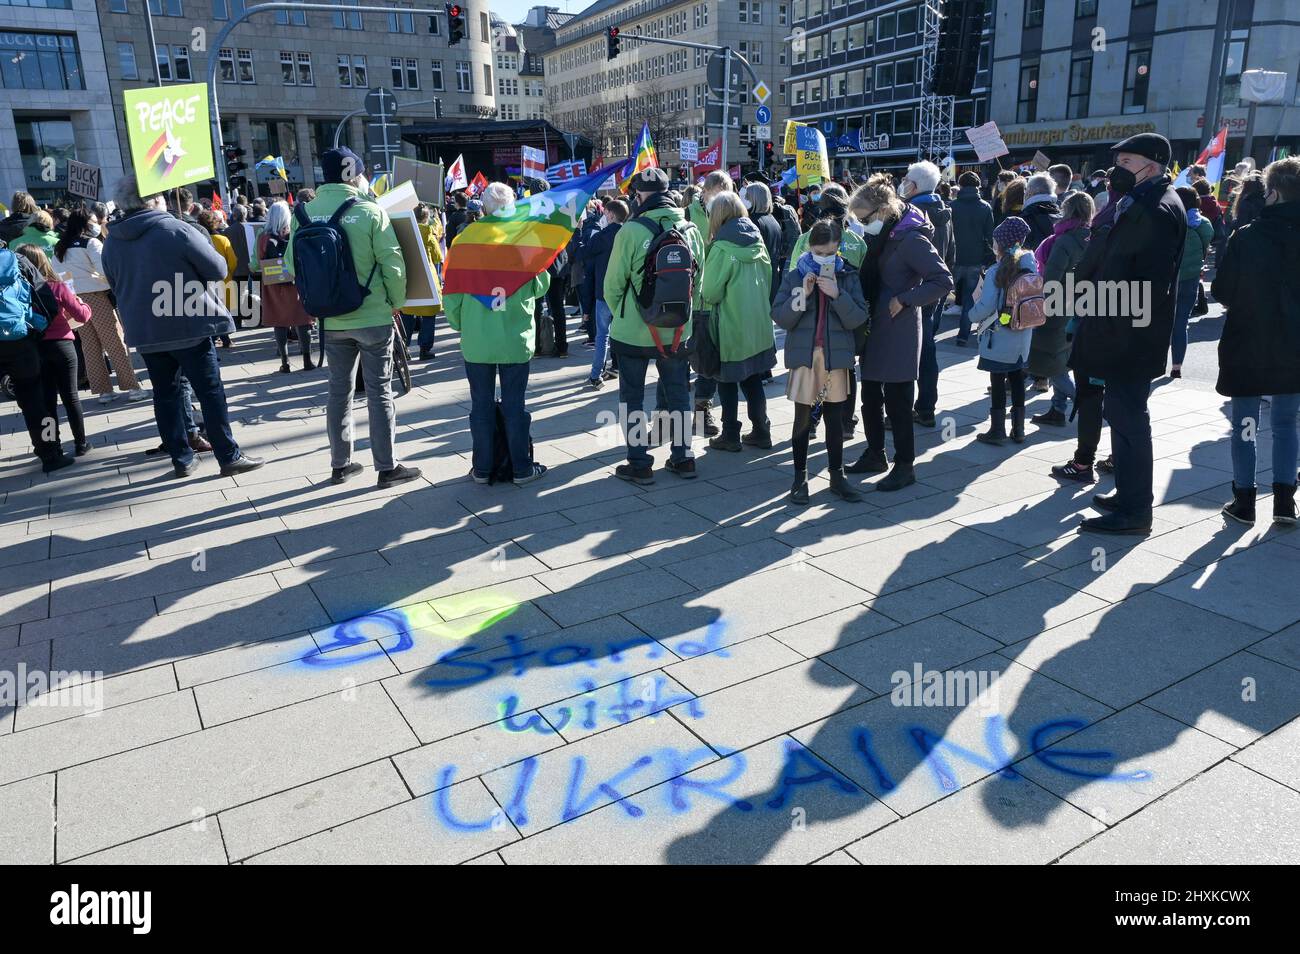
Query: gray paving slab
{"type": "Point", "coordinates": [198, 843]}
{"type": "Point", "coordinates": [732, 664]}
{"type": "Point", "coordinates": [1237, 700]}
{"type": "Point", "coordinates": [834, 630]}
{"type": "Point", "coordinates": [1238, 587]}
{"type": "Point", "coordinates": [887, 660]}
{"type": "Point", "coordinates": [27, 821]}
{"type": "Point", "coordinates": [1026, 611]}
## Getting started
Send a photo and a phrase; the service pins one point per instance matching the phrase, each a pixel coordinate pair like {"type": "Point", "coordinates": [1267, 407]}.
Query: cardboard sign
{"type": "Point", "coordinates": [400, 198]}
{"type": "Point", "coordinates": [426, 177]}
{"type": "Point", "coordinates": [171, 144]}
{"type": "Point", "coordinates": [83, 179]}
{"type": "Point", "coordinates": [274, 272]}
{"type": "Point", "coordinates": [420, 287]}
{"type": "Point", "coordinates": [987, 141]}
{"type": "Point", "coordinates": [252, 232]}
{"type": "Point", "coordinates": [1041, 162]}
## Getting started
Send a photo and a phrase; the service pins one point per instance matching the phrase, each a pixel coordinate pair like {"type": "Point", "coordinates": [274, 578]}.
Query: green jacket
{"type": "Point", "coordinates": [502, 335]}
{"type": "Point", "coordinates": [374, 248]}
{"type": "Point", "coordinates": [736, 285]}
{"type": "Point", "coordinates": [623, 278]}
{"type": "Point", "coordinates": [852, 248]}
{"type": "Point", "coordinates": [1195, 246]}
{"type": "Point", "coordinates": [699, 217]}
{"type": "Point", "coordinates": [31, 235]}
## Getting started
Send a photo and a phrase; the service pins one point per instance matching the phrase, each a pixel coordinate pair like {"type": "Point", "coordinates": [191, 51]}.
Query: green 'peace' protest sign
{"type": "Point", "coordinates": [170, 141]}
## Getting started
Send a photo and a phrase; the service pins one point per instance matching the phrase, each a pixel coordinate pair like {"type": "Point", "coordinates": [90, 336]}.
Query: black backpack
{"type": "Point", "coordinates": [323, 270]}
{"type": "Point", "coordinates": [667, 280]}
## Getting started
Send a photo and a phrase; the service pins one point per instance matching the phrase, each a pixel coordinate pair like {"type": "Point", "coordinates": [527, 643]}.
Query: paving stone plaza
{"type": "Point", "coordinates": [586, 670]}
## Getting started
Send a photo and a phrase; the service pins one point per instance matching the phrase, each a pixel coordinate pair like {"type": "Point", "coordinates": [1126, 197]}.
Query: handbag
{"type": "Point", "coordinates": [705, 354]}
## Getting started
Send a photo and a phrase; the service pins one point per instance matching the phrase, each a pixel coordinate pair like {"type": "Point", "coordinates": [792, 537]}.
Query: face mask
{"type": "Point", "coordinates": [873, 228]}
{"type": "Point", "coordinates": [1122, 181]}
{"type": "Point", "coordinates": [604, 221]}
{"type": "Point", "coordinates": [824, 259]}
{"type": "Point", "coordinates": [92, 229]}
{"type": "Point", "coordinates": [814, 197]}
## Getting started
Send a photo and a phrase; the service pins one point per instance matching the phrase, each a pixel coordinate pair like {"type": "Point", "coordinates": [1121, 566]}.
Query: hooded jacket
{"type": "Point", "coordinates": [1200, 235]}
{"type": "Point", "coordinates": [852, 247]}
{"type": "Point", "coordinates": [1259, 282]}
{"type": "Point", "coordinates": [161, 272]}
{"type": "Point", "coordinates": [504, 335]}
{"type": "Point", "coordinates": [376, 256]}
{"type": "Point", "coordinates": [1001, 348]}
{"type": "Point", "coordinates": [31, 235]}
{"type": "Point", "coordinates": [13, 224]}
{"type": "Point", "coordinates": [623, 280]}
{"type": "Point", "coordinates": [1041, 213]}
{"type": "Point", "coordinates": [911, 271]}
{"type": "Point", "coordinates": [736, 285]}
{"type": "Point", "coordinates": [939, 216]}
{"type": "Point", "coordinates": [972, 228]}
{"type": "Point", "coordinates": [1141, 250]}
{"type": "Point", "coordinates": [83, 263]}
{"type": "Point", "coordinates": [844, 315]}
{"type": "Point", "coordinates": [595, 254]}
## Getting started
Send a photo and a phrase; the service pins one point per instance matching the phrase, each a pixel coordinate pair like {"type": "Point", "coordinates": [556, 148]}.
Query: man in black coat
{"type": "Point", "coordinates": [972, 231]}
{"type": "Point", "coordinates": [1126, 346]}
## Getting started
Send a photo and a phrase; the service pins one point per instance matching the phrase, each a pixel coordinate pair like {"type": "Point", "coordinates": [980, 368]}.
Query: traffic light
{"type": "Point", "coordinates": [753, 149]}
{"type": "Point", "coordinates": [234, 161]}
{"type": "Point", "coordinates": [769, 153]}
{"type": "Point", "coordinates": [455, 23]}
{"type": "Point", "coordinates": [611, 43]}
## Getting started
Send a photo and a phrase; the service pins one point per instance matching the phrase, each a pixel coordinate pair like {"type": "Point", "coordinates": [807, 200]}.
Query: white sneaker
{"type": "Point", "coordinates": [137, 394]}
{"type": "Point", "coordinates": [105, 398]}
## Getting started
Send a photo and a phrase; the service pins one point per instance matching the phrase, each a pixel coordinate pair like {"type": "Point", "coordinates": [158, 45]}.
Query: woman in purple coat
{"type": "Point", "coordinates": [902, 277]}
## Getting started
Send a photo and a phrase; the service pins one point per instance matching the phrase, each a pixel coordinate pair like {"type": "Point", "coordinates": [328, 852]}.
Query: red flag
{"type": "Point", "coordinates": [216, 202]}
{"type": "Point", "coordinates": [478, 184]}
{"type": "Point", "coordinates": [1216, 146]}
{"type": "Point", "coordinates": [710, 158]}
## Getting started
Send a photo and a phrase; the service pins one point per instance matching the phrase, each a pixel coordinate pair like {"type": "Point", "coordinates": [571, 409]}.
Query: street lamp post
{"type": "Point", "coordinates": [214, 110]}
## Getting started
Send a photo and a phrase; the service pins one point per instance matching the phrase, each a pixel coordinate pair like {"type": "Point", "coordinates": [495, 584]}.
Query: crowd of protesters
{"type": "Point", "coordinates": [851, 282]}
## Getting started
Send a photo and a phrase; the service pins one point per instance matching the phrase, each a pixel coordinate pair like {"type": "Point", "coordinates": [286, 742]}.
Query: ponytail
{"type": "Point", "coordinates": [1008, 267]}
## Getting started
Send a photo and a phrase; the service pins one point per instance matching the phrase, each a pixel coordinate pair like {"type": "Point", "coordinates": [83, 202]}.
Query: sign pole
{"type": "Point", "coordinates": [726, 106]}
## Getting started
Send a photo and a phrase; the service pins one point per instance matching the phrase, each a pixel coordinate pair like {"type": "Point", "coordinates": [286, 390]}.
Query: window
{"type": "Point", "coordinates": [244, 61]}
{"type": "Point", "coordinates": [287, 17]}
{"type": "Point", "coordinates": [780, 95]}
{"type": "Point", "coordinates": [487, 79]}
{"type": "Point", "coordinates": [288, 72]}
{"type": "Point", "coordinates": [1080, 87]}
{"type": "Point", "coordinates": [1027, 103]}
{"type": "Point", "coordinates": [884, 123]}
{"type": "Point", "coordinates": [906, 27]}
{"type": "Point", "coordinates": [507, 87]}
{"type": "Point", "coordinates": [304, 70]}
{"type": "Point", "coordinates": [126, 61]}
{"type": "Point", "coordinates": [401, 23]}
{"type": "Point", "coordinates": [885, 27]}
{"type": "Point", "coordinates": [435, 25]}
{"type": "Point", "coordinates": [412, 73]}
{"type": "Point", "coordinates": [1033, 13]}
{"type": "Point", "coordinates": [117, 6]}
{"type": "Point", "coordinates": [884, 75]}
{"type": "Point", "coordinates": [164, 64]}
{"type": "Point", "coordinates": [359, 74]}
{"type": "Point", "coordinates": [485, 34]}
{"type": "Point", "coordinates": [1234, 62]}
{"type": "Point", "coordinates": [905, 72]}
{"type": "Point", "coordinates": [904, 121]}
{"type": "Point", "coordinates": [166, 8]}
{"type": "Point", "coordinates": [347, 21]}
{"type": "Point", "coordinates": [224, 9]}
{"type": "Point", "coordinates": [755, 11]}
{"type": "Point", "coordinates": [464, 78]}
{"type": "Point", "coordinates": [437, 76]}
{"type": "Point", "coordinates": [1085, 8]}
{"type": "Point", "coordinates": [399, 74]}
{"type": "Point", "coordinates": [226, 65]}
{"type": "Point", "coordinates": [508, 111]}
{"type": "Point", "coordinates": [1137, 77]}
{"type": "Point", "coordinates": [39, 61]}
{"type": "Point", "coordinates": [1143, 3]}
{"type": "Point", "coordinates": [783, 13]}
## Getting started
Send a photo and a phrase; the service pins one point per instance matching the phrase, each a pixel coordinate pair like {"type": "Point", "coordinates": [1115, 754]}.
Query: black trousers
{"type": "Point", "coordinates": [895, 399]}
{"type": "Point", "coordinates": [555, 303]}
{"type": "Point", "coordinates": [1087, 407]}
{"type": "Point", "coordinates": [21, 360]}
{"type": "Point", "coordinates": [59, 382]}
{"type": "Point", "coordinates": [1004, 381]}
{"type": "Point", "coordinates": [1125, 407]}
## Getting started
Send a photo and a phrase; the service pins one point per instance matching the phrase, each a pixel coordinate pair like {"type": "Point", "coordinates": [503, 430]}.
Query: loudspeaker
{"type": "Point", "coordinates": [959, 47]}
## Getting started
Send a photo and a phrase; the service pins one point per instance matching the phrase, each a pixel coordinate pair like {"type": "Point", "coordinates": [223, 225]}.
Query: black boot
{"type": "Point", "coordinates": [1018, 425]}
{"type": "Point", "coordinates": [708, 426]}
{"type": "Point", "coordinates": [799, 489]}
{"type": "Point", "coordinates": [841, 487]}
{"type": "Point", "coordinates": [1284, 509]}
{"type": "Point", "coordinates": [871, 462]}
{"type": "Point", "coordinates": [997, 432]}
{"type": "Point", "coordinates": [901, 476]}
{"type": "Point", "coordinates": [1242, 506]}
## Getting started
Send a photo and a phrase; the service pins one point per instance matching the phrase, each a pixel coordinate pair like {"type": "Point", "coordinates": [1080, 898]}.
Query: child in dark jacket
{"type": "Point", "coordinates": [595, 254]}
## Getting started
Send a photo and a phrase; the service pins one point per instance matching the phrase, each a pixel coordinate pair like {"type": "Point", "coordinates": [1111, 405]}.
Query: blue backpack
{"type": "Point", "coordinates": [323, 269]}
{"type": "Point", "coordinates": [17, 316]}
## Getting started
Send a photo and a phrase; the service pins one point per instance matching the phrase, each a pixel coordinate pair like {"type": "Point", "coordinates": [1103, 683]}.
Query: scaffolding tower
{"type": "Point", "coordinates": [934, 130]}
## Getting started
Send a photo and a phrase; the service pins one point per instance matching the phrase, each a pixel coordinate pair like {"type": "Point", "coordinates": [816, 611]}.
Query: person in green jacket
{"type": "Point", "coordinates": [736, 286]}
{"type": "Point", "coordinates": [39, 233]}
{"type": "Point", "coordinates": [497, 340]}
{"type": "Point", "coordinates": [631, 338]}
{"type": "Point", "coordinates": [1200, 234]}
{"type": "Point", "coordinates": [834, 204]}
{"type": "Point", "coordinates": [714, 184]}
{"type": "Point", "coordinates": [367, 333]}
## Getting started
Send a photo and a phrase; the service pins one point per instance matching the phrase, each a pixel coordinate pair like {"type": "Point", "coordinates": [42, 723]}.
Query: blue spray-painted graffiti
{"type": "Point", "coordinates": [801, 769]}
{"type": "Point", "coordinates": [621, 711]}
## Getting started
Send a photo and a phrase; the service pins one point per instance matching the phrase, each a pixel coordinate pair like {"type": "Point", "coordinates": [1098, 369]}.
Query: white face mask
{"type": "Point", "coordinates": [823, 259]}
{"type": "Point", "coordinates": [92, 229]}
{"type": "Point", "coordinates": [604, 221]}
{"type": "Point", "coordinates": [873, 228]}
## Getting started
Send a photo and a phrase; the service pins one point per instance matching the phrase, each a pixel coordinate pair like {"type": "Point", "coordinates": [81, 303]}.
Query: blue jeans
{"type": "Point", "coordinates": [1286, 440]}
{"type": "Point", "coordinates": [965, 278]}
{"type": "Point", "coordinates": [1062, 392]}
{"type": "Point", "coordinates": [673, 393]}
{"type": "Point", "coordinates": [603, 318]}
{"type": "Point", "coordinates": [483, 416]}
{"type": "Point", "coordinates": [755, 405]}
{"type": "Point", "coordinates": [1182, 315]}
{"type": "Point", "coordinates": [197, 365]}
{"type": "Point", "coordinates": [428, 328]}
{"type": "Point", "coordinates": [927, 382]}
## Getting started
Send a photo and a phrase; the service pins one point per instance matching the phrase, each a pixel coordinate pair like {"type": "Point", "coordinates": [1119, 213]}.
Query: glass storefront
{"type": "Point", "coordinates": [46, 143]}
{"type": "Point", "coordinates": [39, 61]}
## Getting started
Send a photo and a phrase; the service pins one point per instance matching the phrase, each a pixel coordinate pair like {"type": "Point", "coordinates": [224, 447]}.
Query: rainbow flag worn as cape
{"type": "Point", "coordinates": [643, 157]}
{"type": "Point", "coordinates": [501, 253]}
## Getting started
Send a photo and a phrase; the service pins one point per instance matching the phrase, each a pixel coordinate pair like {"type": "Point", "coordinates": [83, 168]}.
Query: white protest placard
{"type": "Point", "coordinates": [400, 198]}
{"type": "Point", "coordinates": [987, 141]}
{"type": "Point", "coordinates": [688, 149]}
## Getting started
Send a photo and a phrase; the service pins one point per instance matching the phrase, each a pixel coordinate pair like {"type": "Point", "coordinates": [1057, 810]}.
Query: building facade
{"type": "Point", "coordinates": [287, 79]}
{"type": "Point", "coordinates": [857, 66]}
{"type": "Point", "coordinates": [608, 100]}
{"type": "Point", "coordinates": [55, 103]}
{"type": "Point", "coordinates": [1072, 77]}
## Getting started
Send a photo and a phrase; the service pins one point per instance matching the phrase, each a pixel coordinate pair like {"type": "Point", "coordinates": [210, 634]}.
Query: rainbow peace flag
{"type": "Point", "coordinates": [643, 157]}
{"type": "Point", "coordinates": [504, 252]}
